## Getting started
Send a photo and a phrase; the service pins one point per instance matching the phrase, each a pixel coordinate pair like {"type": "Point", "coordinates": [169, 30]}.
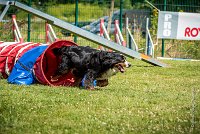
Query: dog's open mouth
{"type": "Point", "coordinates": [120, 67]}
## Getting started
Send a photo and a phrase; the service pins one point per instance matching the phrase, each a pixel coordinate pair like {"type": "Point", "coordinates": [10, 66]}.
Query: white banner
{"type": "Point", "coordinates": [178, 25]}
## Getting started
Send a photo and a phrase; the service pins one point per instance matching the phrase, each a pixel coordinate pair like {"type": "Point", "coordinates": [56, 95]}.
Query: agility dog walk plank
{"type": "Point", "coordinates": [85, 34]}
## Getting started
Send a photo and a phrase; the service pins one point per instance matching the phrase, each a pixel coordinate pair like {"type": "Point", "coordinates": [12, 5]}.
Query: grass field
{"type": "Point", "coordinates": [145, 99]}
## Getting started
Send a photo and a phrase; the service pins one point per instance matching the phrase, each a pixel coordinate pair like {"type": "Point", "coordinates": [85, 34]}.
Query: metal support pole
{"type": "Point", "coordinates": [29, 23]}
{"type": "Point", "coordinates": [76, 18]}
{"type": "Point", "coordinates": [120, 15]}
{"type": "Point", "coordinates": [163, 41]}
{"type": "Point", "coordinates": [4, 12]}
{"type": "Point", "coordinates": [147, 50]}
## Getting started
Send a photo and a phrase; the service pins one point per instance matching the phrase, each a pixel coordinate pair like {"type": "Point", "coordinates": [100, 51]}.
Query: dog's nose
{"type": "Point", "coordinates": [129, 64]}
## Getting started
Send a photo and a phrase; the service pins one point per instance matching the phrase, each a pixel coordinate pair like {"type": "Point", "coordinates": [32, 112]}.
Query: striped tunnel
{"type": "Point", "coordinates": [45, 66]}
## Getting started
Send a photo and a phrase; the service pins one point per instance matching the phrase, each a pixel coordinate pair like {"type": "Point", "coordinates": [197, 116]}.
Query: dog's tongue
{"type": "Point", "coordinates": [121, 69]}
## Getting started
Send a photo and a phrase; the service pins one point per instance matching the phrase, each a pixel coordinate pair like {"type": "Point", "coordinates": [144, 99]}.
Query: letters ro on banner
{"type": "Point", "coordinates": [178, 25]}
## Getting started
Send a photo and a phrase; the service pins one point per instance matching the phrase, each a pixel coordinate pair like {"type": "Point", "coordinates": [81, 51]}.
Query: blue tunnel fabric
{"type": "Point", "coordinates": [22, 72]}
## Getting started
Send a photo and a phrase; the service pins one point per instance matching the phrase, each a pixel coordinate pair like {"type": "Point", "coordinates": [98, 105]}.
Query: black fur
{"type": "Point", "coordinates": [86, 61]}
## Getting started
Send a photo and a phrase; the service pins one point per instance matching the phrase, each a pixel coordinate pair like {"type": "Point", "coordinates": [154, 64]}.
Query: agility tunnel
{"type": "Point", "coordinates": [28, 63]}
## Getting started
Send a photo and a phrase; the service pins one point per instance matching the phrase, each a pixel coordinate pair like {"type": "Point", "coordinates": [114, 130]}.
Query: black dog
{"type": "Point", "coordinates": [91, 63]}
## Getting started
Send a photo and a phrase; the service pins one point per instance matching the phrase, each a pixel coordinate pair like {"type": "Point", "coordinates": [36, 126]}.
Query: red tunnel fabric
{"type": "Point", "coordinates": [4, 50]}
{"type": "Point", "coordinates": [25, 49]}
{"type": "Point", "coordinates": [10, 59]}
{"type": "Point", "coordinates": [10, 52]}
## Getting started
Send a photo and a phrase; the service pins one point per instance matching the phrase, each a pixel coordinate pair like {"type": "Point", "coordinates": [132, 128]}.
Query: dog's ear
{"type": "Point", "coordinates": [60, 51]}
{"type": "Point", "coordinates": [102, 55]}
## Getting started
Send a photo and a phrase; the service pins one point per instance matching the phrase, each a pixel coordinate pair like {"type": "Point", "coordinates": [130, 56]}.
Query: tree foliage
{"type": "Point", "coordinates": [172, 5]}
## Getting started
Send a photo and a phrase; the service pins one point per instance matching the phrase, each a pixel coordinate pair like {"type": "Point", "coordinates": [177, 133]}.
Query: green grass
{"type": "Point", "coordinates": [145, 99]}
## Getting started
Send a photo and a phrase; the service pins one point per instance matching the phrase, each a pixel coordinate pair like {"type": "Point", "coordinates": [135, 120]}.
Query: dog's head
{"type": "Point", "coordinates": [114, 60]}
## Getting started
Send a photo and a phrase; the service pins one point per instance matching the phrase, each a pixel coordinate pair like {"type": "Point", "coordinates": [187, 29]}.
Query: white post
{"type": "Point", "coordinates": [105, 32]}
{"type": "Point", "coordinates": [127, 33]}
{"type": "Point", "coordinates": [16, 30]}
{"type": "Point", "coordinates": [133, 40]}
{"type": "Point", "coordinates": [147, 23]}
{"type": "Point", "coordinates": [16, 36]}
{"type": "Point", "coordinates": [149, 48]}
{"type": "Point", "coordinates": [118, 32]}
{"type": "Point", "coordinates": [52, 31]}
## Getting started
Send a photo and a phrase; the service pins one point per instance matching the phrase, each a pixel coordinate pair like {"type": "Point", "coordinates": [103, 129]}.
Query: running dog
{"type": "Point", "coordinates": [90, 64]}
